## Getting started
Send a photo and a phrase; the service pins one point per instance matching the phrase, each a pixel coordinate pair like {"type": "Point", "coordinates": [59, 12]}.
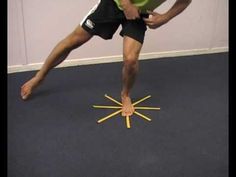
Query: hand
{"type": "Point", "coordinates": [131, 12]}
{"type": "Point", "coordinates": [155, 20]}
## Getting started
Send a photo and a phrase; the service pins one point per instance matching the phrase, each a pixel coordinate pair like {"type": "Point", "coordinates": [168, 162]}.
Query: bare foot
{"type": "Point", "coordinates": [127, 107]}
{"type": "Point", "coordinates": [28, 87]}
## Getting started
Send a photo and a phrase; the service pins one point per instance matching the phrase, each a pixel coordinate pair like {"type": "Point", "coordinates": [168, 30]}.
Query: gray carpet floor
{"type": "Point", "coordinates": [55, 134]}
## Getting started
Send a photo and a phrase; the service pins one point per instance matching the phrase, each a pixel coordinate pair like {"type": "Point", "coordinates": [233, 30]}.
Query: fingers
{"type": "Point", "coordinates": [151, 12]}
{"type": "Point", "coordinates": [148, 21]}
{"type": "Point", "coordinates": [151, 21]}
{"type": "Point", "coordinates": [136, 16]}
{"type": "Point", "coordinates": [150, 18]}
{"type": "Point", "coordinates": [132, 12]}
{"type": "Point", "coordinates": [132, 17]}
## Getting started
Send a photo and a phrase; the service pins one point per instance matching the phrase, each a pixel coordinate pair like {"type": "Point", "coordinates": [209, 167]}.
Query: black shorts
{"type": "Point", "coordinates": [105, 18]}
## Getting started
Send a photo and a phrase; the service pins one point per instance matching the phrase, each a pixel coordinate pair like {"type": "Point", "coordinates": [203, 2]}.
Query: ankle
{"type": "Point", "coordinates": [125, 94]}
{"type": "Point", "coordinates": [39, 77]}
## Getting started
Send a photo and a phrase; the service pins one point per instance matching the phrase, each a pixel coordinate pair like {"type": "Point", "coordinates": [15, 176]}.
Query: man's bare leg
{"type": "Point", "coordinates": [131, 50]}
{"type": "Point", "coordinates": [77, 38]}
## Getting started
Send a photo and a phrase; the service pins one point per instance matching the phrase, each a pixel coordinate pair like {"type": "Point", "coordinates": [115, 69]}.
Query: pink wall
{"type": "Point", "coordinates": [35, 26]}
{"type": "Point", "coordinates": [16, 41]}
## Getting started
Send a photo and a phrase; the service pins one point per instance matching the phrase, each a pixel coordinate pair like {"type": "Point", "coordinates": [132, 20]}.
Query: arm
{"type": "Point", "coordinates": [131, 12]}
{"type": "Point", "coordinates": [156, 20]}
{"type": "Point", "coordinates": [177, 8]}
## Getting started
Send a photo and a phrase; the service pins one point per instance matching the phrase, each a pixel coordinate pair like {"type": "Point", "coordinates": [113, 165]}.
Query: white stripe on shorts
{"type": "Point", "coordinates": [90, 12]}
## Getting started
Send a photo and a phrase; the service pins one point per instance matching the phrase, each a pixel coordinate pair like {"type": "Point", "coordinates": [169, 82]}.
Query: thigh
{"type": "Point", "coordinates": [81, 34]}
{"type": "Point", "coordinates": [77, 38]}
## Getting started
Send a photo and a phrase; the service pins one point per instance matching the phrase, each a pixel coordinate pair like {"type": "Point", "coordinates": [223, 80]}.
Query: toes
{"type": "Point", "coordinates": [127, 107]}
{"type": "Point", "coordinates": [22, 93]}
{"type": "Point", "coordinates": [127, 113]}
{"type": "Point", "coordinates": [124, 113]}
{"type": "Point", "coordinates": [25, 93]}
{"type": "Point", "coordinates": [24, 96]}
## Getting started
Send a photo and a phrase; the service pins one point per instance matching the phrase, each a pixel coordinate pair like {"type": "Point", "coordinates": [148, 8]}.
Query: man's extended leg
{"type": "Point", "coordinates": [78, 37]}
{"type": "Point", "coordinates": [131, 50]}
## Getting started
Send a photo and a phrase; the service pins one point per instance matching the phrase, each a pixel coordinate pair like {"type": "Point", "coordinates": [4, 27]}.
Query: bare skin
{"type": "Point", "coordinates": [131, 50]}
{"type": "Point", "coordinates": [29, 86]}
{"type": "Point", "coordinates": [77, 38]}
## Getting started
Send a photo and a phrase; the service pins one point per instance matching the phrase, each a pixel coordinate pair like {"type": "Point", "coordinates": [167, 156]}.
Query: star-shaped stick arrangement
{"type": "Point", "coordinates": [119, 110]}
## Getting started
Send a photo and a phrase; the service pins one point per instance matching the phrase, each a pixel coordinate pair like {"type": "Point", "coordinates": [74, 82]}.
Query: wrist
{"type": "Point", "coordinates": [125, 3]}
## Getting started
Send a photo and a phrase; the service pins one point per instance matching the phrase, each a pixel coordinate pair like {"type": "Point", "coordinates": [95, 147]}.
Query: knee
{"type": "Point", "coordinates": [131, 60]}
{"type": "Point", "coordinates": [73, 41]}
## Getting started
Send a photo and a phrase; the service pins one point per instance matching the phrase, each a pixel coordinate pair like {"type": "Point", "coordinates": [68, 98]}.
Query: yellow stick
{"type": "Point", "coordinates": [127, 122]}
{"type": "Point", "coordinates": [143, 116]}
{"type": "Point", "coordinates": [106, 107]}
{"type": "Point", "coordinates": [112, 99]}
{"type": "Point", "coordinates": [147, 108]}
{"type": "Point", "coordinates": [139, 101]}
{"type": "Point", "coordinates": [109, 116]}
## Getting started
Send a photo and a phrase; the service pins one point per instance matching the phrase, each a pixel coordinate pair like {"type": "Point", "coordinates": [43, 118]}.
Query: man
{"type": "Point", "coordinates": [103, 20]}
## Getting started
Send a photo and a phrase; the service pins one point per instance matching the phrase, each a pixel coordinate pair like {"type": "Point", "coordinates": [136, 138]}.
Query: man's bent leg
{"type": "Point", "coordinates": [77, 38]}
{"type": "Point", "coordinates": [131, 50]}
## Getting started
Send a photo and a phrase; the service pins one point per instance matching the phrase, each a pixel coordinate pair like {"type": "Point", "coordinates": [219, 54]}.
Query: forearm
{"type": "Point", "coordinates": [177, 8]}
